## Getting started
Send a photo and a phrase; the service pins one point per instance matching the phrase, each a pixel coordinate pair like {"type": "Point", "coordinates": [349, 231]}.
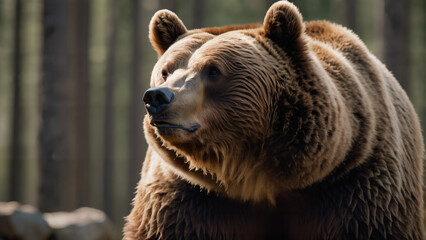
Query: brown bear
{"type": "Point", "coordinates": [286, 130]}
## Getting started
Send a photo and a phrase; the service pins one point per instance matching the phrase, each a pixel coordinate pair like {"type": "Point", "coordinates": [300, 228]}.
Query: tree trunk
{"type": "Point", "coordinates": [136, 143]}
{"type": "Point", "coordinates": [351, 14]}
{"type": "Point", "coordinates": [167, 4]}
{"type": "Point", "coordinates": [396, 44]}
{"type": "Point", "coordinates": [16, 153]}
{"type": "Point", "coordinates": [55, 139]}
{"type": "Point", "coordinates": [80, 96]}
{"type": "Point", "coordinates": [379, 38]}
{"type": "Point", "coordinates": [63, 136]}
{"type": "Point", "coordinates": [198, 14]}
{"type": "Point", "coordinates": [109, 110]}
{"type": "Point", "coordinates": [270, 2]}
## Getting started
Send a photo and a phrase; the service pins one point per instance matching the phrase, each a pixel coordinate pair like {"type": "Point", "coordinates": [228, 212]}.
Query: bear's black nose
{"type": "Point", "coordinates": [157, 99]}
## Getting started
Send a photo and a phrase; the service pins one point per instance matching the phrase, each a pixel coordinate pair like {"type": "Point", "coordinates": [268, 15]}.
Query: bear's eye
{"type": "Point", "coordinates": [213, 73]}
{"type": "Point", "coordinates": [164, 75]}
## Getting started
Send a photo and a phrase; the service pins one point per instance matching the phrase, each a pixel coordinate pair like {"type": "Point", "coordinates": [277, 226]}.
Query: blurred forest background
{"type": "Point", "coordinates": [72, 74]}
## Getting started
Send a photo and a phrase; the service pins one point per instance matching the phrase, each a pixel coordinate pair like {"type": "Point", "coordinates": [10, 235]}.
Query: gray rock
{"type": "Point", "coordinates": [22, 222]}
{"type": "Point", "coordinates": [83, 224]}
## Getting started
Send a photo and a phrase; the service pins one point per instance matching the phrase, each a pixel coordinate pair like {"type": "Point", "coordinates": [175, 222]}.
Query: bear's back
{"type": "Point", "coordinates": [385, 162]}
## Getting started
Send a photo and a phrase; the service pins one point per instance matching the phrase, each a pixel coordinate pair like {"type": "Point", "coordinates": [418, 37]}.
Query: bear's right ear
{"type": "Point", "coordinates": [165, 27]}
{"type": "Point", "coordinates": [284, 25]}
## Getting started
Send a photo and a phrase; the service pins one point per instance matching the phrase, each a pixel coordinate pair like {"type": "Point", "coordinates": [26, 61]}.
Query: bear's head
{"type": "Point", "coordinates": [246, 111]}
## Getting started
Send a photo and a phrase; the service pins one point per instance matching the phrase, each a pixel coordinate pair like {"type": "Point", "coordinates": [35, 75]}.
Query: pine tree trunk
{"type": "Point", "coordinates": [63, 134]}
{"type": "Point", "coordinates": [198, 14]}
{"type": "Point", "coordinates": [351, 14]}
{"type": "Point", "coordinates": [136, 143]}
{"type": "Point", "coordinates": [396, 44]}
{"type": "Point", "coordinates": [167, 4]}
{"type": "Point", "coordinates": [379, 38]}
{"type": "Point", "coordinates": [108, 175]}
{"type": "Point", "coordinates": [80, 91]}
{"type": "Point", "coordinates": [16, 156]}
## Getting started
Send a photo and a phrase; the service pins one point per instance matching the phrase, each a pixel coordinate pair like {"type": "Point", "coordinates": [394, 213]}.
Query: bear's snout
{"type": "Point", "coordinates": [157, 100]}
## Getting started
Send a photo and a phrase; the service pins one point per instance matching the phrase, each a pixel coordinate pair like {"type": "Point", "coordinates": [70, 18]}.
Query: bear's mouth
{"type": "Point", "coordinates": [165, 127]}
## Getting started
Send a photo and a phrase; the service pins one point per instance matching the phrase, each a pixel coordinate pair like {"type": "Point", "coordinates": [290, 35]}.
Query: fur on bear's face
{"type": "Point", "coordinates": [237, 116]}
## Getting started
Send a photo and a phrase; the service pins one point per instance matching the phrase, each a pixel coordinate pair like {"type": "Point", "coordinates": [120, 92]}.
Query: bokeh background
{"type": "Point", "coordinates": [72, 75]}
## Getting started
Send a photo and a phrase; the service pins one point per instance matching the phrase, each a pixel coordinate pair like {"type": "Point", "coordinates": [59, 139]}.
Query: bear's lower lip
{"type": "Point", "coordinates": [166, 127]}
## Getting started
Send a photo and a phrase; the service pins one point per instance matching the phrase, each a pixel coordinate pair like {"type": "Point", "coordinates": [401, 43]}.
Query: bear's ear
{"type": "Point", "coordinates": [284, 25]}
{"type": "Point", "coordinates": [165, 27]}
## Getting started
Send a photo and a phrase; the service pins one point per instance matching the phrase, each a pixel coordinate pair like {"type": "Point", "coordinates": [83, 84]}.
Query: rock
{"type": "Point", "coordinates": [83, 223]}
{"type": "Point", "coordinates": [22, 222]}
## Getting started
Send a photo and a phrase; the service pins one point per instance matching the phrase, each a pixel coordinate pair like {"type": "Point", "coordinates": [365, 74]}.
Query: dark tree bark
{"type": "Point", "coordinates": [63, 135]}
{"type": "Point", "coordinates": [198, 16]}
{"type": "Point", "coordinates": [80, 91]}
{"type": "Point", "coordinates": [16, 156]}
{"type": "Point", "coordinates": [167, 4]}
{"type": "Point", "coordinates": [379, 15]}
{"type": "Point", "coordinates": [136, 143]}
{"type": "Point", "coordinates": [55, 140]}
{"type": "Point", "coordinates": [270, 2]}
{"type": "Point", "coordinates": [108, 175]}
{"type": "Point", "coordinates": [396, 44]}
{"type": "Point", "coordinates": [351, 14]}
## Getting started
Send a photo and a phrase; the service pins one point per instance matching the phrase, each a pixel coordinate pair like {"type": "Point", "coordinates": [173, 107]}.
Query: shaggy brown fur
{"type": "Point", "coordinates": [286, 130]}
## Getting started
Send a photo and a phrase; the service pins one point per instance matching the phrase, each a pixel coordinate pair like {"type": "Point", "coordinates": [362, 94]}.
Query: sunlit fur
{"type": "Point", "coordinates": [304, 135]}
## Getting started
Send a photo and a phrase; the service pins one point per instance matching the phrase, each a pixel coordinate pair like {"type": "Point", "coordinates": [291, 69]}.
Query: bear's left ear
{"type": "Point", "coordinates": [165, 27]}
{"type": "Point", "coordinates": [284, 25]}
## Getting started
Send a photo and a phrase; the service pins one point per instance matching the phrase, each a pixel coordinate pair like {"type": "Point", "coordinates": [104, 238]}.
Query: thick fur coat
{"type": "Point", "coordinates": [286, 130]}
